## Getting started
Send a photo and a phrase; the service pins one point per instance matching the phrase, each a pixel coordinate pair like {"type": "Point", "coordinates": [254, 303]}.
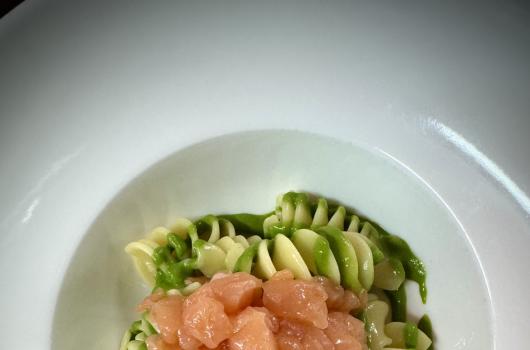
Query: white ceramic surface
{"type": "Point", "coordinates": [245, 172]}
{"type": "Point", "coordinates": [92, 94]}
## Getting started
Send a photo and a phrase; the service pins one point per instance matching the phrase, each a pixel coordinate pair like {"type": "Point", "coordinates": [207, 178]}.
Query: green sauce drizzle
{"type": "Point", "coordinates": [414, 268]}
{"type": "Point", "coordinates": [321, 252]}
{"type": "Point", "coordinates": [410, 335]}
{"type": "Point", "coordinates": [244, 263]}
{"type": "Point", "coordinates": [244, 223]}
{"type": "Point", "coordinates": [395, 247]}
{"type": "Point", "coordinates": [277, 229]}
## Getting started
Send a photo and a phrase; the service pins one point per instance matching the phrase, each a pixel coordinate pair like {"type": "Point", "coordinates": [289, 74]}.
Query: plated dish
{"type": "Point", "coordinates": [184, 184]}
{"type": "Point", "coordinates": [93, 95]}
{"type": "Point", "coordinates": [308, 275]}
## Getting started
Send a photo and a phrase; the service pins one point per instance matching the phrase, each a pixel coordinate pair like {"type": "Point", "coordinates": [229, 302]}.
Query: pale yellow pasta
{"type": "Point", "coordinates": [286, 256]}
{"type": "Point", "coordinates": [180, 227]}
{"type": "Point", "coordinates": [225, 243]}
{"type": "Point", "coordinates": [141, 252]}
{"type": "Point", "coordinates": [232, 255]}
{"type": "Point", "coordinates": [320, 218]}
{"type": "Point", "coordinates": [396, 331]}
{"type": "Point", "coordinates": [270, 221]}
{"type": "Point", "coordinates": [125, 340]}
{"type": "Point", "coordinates": [264, 268]}
{"type": "Point", "coordinates": [376, 313]}
{"type": "Point", "coordinates": [354, 224]}
{"type": "Point", "coordinates": [337, 220]}
{"type": "Point", "coordinates": [210, 260]}
{"type": "Point", "coordinates": [305, 246]}
{"type": "Point", "coordinates": [365, 259]}
{"type": "Point", "coordinates": [241, 240]}
{"type": "Point", "coordinates": [159, 235]}
{"type": "Point", "coordinates": [253, 239]}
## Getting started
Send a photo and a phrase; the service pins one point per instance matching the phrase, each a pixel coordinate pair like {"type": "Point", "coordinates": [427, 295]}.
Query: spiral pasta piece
{"type": "Point", "coordinates": [264, 267]}
{"type": "Point", "coordinates": [228, 251]}
{"type": "Point", "coordinates": [286, 256]}
{"type": "Point", "coordinates": [141, 252]}
{"type": "Point", "coordinates": [375, 315]}
{"type": "Point", "coordinates": [234, 247]}
{"type": "Point", "coordinates": [155, 257]}
{"type": "Point", "coordinates": [211, 228]}
{"type": "Point", "coordinates": [365, 260]}
{"type": "Point", "coordinates": [305, 254]}
{"type": "Point", "coordinates": [293, 211]}
{"type": "Point", "coordinates": [180, 227]}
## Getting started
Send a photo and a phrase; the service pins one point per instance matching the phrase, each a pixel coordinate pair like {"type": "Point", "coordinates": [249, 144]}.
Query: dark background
{"type": "Point", "coordinates": [8, 5]}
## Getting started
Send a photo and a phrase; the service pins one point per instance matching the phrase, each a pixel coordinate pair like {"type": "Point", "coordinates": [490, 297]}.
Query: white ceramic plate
{"type": "Point", "coordinates": [414, 113]}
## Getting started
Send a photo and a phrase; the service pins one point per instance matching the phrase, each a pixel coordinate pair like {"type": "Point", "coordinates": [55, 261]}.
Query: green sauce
{"type": "Point", "coordinates": [244, 263]}
{"type": "Point", "coordinates": [162, 255]}
{"type": "Point", "coordinates": [398, 302]}
{"type": "Point", "coordinates": [410, 334]}
{"type": "Point", "coordinates": [321, 252]}
{"type": "Point", "coordinates": [414, 268]}
{"type": "Point", "coordinates": [173, 262]}
{"type": "Point", "coordinates": [179, 246]}
{"type": "Point", "coordinates": [277, 229]}
{"type": "Point", "coordinates": [395, 247]}
{"type": "Point", "coordinates": [173, 274]}
{"type": "Point", "coordinates": [251, 224]}
{"type": "Point", "coordinates": [425, 326]}
{"type": "Point", "coordinates": [295, 197]}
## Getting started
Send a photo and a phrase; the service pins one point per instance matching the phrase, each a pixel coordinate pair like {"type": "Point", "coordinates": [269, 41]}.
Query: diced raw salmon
{"type": "Point", "coordinates": [222, 346]}
{"type": "Point", "coordinates": [236, 291]}
{"type": "Point", "coordinates": [303, 301]}
{"type": "Point", "coordinates": [288, 342]}
{"type": "Point", "coordinates": [166, 314]}
{"type": "Point", "coordinates": [338, 298]}
{"type": "Point", "coordinates": [300, 336]}
{"type": "Point", "coordinates": [204, 318]}
{"type": "Point", "coordinates": [224, 314]}
{"type": "Point", "coordinates": [155, 342]}
{"type": "Point", "coordinates": [187, 342]}
{"type": "Point", "coordinates": [204, 291]}
{"type": "Point", "coordinates": [273, 322]}
{"type": "Point", "coordinates": [316, 339]}
{"type": "Point", "coordinates": [345, 331]}
{"type": "Point", "coordinates": [253, 330]}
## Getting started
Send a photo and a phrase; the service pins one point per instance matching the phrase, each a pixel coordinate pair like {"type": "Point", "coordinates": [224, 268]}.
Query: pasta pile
{"type": "Point", "coordinates": [308, 238]}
